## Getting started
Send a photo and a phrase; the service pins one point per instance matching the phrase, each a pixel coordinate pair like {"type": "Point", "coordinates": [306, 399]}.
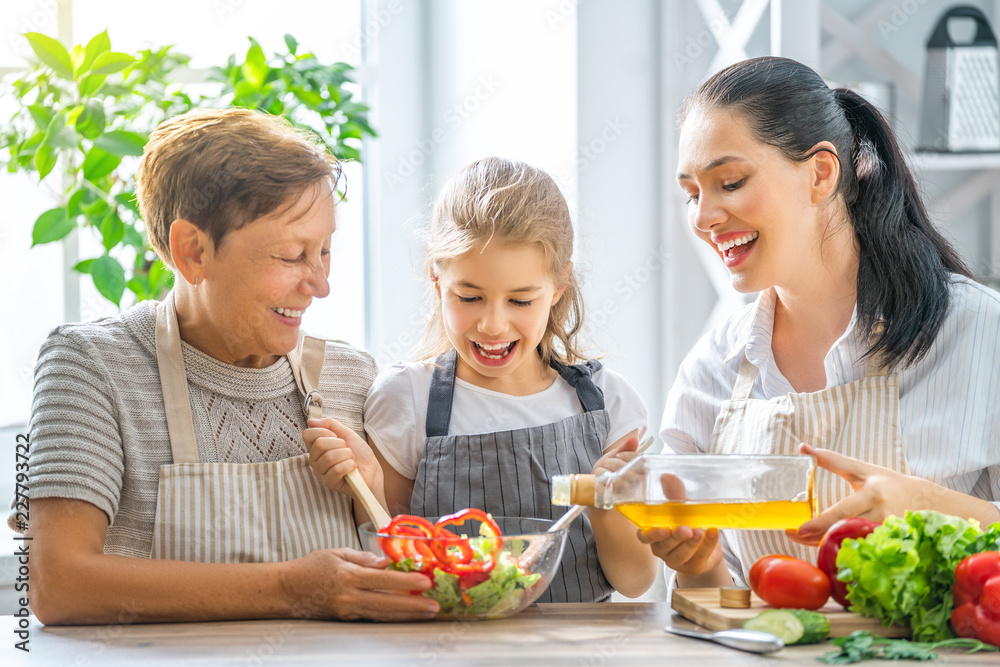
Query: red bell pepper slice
{"type": "Point", "coordinates": [457, 554]}
{"type": "Point", "coordinates": [977, 597]}
{"type": "Point", "coordinates": [406, 525]}
{"type": "Point", "coordinates": [440, 547]}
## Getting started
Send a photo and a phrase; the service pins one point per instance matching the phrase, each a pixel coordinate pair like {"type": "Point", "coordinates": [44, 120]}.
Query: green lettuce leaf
{"type": "Point", "coordinates": [903, 572]}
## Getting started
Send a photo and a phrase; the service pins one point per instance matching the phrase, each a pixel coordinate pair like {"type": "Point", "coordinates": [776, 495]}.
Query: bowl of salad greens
{"type": "Point", "coordinates": [481, 566]}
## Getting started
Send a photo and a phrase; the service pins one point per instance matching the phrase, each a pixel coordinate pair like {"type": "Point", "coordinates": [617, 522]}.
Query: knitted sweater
{"type": "Point", "coordinates": [99, 433]}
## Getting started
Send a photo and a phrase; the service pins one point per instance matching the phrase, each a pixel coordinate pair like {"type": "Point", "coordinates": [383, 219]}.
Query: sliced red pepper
{"type": "Point", "coordinates": [461, 562]}
{"type": "Point", "coordinates": [406, 525]}
{"type": "Point", "coordinates": [450, 549]}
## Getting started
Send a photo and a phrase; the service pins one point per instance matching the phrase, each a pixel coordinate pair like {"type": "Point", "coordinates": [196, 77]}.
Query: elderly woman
{"type": "Point", "coordinates": [169, 477]}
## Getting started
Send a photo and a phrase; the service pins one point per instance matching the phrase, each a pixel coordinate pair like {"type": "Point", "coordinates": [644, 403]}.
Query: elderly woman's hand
{"type": "Point", "coordinates": [345, 584]}
{"type": "Point", "coordinates": [335, 450]}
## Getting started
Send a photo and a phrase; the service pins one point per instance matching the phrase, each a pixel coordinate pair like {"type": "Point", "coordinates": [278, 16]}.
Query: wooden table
{"type": "Point", "coordinates": [584, 635]}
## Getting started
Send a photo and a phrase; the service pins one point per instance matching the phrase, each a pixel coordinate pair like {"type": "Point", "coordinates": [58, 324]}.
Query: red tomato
{"type": "Point", "coordinates": [793, 583]}
{"type": "Point", "coordinates": [758, 569]}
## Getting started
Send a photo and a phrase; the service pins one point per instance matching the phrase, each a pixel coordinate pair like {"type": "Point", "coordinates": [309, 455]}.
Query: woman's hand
{"type": "Point", "coordinates": [345, 584]}
{"type": "Point", "coordinates": [880, 492]}
{"type": "Point", "coordinates": [335, 450]}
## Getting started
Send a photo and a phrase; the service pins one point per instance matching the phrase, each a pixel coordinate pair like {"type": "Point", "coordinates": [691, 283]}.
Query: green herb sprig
{"type": "Point", "coordinates": [860, 645]}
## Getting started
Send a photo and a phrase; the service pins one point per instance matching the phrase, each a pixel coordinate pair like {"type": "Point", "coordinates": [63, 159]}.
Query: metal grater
{"type": "Point", "coordinates": [961, 105]}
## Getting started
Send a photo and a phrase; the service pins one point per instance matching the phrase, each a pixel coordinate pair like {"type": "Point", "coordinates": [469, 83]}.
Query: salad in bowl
{"type": "Point", "coordinates": [481, 566]}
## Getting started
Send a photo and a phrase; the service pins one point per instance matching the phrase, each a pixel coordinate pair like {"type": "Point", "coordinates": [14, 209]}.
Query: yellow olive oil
{"type": "Point", "coordinates": [770, 515]}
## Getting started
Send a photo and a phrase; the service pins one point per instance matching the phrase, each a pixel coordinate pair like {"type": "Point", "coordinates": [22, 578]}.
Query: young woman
{"type": "Point", "coordinates": [869, 342]}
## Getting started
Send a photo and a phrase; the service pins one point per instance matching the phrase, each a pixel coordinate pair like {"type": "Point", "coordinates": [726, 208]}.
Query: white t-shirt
{"type": "Point", "coordinates": [396, 410]}
{"type": "Point", "coordinates": [947, 401]}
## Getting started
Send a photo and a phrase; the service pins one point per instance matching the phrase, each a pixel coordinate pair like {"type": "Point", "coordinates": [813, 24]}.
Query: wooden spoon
{"type": "Point", "coordinates": [380, 518]}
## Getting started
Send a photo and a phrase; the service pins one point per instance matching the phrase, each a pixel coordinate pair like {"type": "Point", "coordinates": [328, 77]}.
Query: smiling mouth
{"type": "Point", "coordinates": [737, 246]}
{"type": "Point", "coordinates": [497, 351]}
{"type": "Point", "coordinates": [288, 312]}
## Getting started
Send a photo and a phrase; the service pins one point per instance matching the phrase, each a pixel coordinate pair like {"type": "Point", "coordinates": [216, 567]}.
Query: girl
{"type": "Point", "coordinates": [495, 407]}
{"type": "Point", "coordinates": [868, 339]}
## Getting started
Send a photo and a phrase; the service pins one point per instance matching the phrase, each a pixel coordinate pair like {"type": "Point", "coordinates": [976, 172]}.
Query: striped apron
{"type": "Point", "coordinates": [859, 419]}
{"type": "Point", "coordinates": [240, 512]}
{"type": "Point", "coordinates": [508, 473]}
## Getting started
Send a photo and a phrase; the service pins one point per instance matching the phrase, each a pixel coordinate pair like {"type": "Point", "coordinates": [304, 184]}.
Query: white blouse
{"type": "Point", "coordinates": [949, 401]}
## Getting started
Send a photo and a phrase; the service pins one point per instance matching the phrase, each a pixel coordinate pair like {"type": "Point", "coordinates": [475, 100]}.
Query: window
{"type": "Point", "coordinates": [34, 280]}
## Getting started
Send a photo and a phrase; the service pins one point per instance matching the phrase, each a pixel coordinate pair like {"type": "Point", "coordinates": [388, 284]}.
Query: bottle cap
{"type": "Point", "coordinates": [562, 489]}
{"type": "Point", "coordinates": [733, 597]}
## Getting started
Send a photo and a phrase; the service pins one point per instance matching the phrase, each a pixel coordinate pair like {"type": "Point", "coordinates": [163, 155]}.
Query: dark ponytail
{"type": "Point", "coordinates": [904, 262]}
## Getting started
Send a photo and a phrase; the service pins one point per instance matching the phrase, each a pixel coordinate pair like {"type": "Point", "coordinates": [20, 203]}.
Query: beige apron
{"type": "Point", "coordinates": [859, 419]}
{"type": "Point", "coordinates": [240, 512]}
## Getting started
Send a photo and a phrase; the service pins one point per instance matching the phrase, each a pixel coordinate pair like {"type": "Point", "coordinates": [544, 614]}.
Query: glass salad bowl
{"type": "Point", "coordinates": [475, 575]}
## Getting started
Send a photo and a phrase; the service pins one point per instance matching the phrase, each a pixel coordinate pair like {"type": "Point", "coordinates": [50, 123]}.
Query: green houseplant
{"type": "Point", "coordinates": [84, 115]}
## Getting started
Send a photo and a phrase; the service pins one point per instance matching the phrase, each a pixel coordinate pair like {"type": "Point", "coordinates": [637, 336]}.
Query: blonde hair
{"type": "Point", "coordinates": [222, 169]}
{"type": "Point", "coordinates": [495, 200]}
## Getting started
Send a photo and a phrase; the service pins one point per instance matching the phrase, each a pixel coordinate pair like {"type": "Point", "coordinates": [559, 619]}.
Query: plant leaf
{"type": "Point", "coordinates": [137, 287]}
{"type": "Point", "coordinates": [110, 62]}
{"type": "Point", "coordinates": [98, 44]}
{"type": "Point", "coordinates": [133, 238]}
{"type": "Point", "coordinates": [45, 161]}
{"type": "Point", "coordinates": [52, 53]}
{"type": "Point", "coordinates": [50, 226]}
{"type": "Point", "coordinates": [90, 123]}
{"type": "Point", "coordinates": [127, 199]}
{"type": "Point", "coordinates": [42, 116]}
{"type": "Point", "coordinates": [98, 164]}
{"type": "Point", "coordinates": [73, 207]}
{"type": "Point", "coordinates": [121, 142]}
{"type": "Point", "coordinates": [84, 266]}
{"type": "Point", "coordinates": [58, 135]}
{"type": "Point", "coordinates": [76, 56]}
{"type": "Point", "coordinates": [109, 278]}
{"type": "Point", "coordinates": [112, 230]}
{"type": "Point", "coordinates": [90, 84]}
{"type": "Point", "coordinates": [291, 43]}
{"type": "Point", "coordinates": [255, 69]}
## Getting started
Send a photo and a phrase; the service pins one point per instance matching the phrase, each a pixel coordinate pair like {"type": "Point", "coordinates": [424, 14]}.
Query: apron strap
{"type": "Point", "coordinates": [173, 381]}
{"type": "Point", "coordinates": [442, 391]}
{"type": "Point", "coordinates": [744, 381]}
{"type": "Point", "coordinates": [306, 367]}
{"type": "Point", "coordinates": [581, 378]}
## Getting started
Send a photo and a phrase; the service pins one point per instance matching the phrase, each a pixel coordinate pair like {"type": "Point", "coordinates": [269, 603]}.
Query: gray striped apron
{"type": "Point", "coordinates": [240, 512]}
{"type": "Point", "coordinates": [859, 419]}
{"type": "Point", "coordinates": [508, 473]}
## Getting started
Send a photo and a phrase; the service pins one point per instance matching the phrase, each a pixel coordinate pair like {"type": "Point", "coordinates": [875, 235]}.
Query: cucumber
{"type": "Point", "coordinates": [794, 626]}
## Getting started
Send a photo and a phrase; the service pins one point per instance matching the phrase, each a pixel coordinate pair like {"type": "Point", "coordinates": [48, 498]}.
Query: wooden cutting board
{"type": "Point", "coordinates": [701, 605]}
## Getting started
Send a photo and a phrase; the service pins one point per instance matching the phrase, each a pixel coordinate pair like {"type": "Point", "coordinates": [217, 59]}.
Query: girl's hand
{"type": "Point", "coordinates": [617, 457]}
{"type": "Point", "coordinates": [878, 493]}
{"type": "Point", "coordinates": [688, 551]}
{"type": "Point", "coordinates": [335, 450]}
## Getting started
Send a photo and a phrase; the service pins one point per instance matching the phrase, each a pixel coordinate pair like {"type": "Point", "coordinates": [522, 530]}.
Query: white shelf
{"type": "Point", "coordinates": [929, 161]}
